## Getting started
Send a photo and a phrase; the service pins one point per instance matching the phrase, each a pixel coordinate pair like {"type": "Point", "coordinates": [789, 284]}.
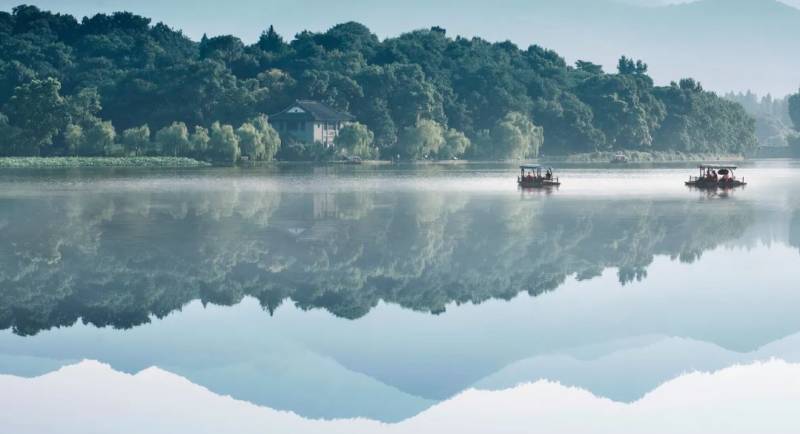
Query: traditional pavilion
{"type": "Point", "coordinates": [310, 122]}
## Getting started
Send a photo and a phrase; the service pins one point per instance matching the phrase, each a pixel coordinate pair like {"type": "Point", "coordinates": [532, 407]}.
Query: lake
{"type": "Point", "coordinates": [398, 298]}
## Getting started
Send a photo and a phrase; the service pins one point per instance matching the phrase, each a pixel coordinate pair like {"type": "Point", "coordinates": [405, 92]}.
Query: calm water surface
{"type": "Point", "coordinates": [378, 292]}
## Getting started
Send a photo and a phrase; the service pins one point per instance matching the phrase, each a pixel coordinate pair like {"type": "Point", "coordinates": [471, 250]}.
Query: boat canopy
{"type": "Point", "coordinates": [717, 166]}
{"type": "Point", "coordinates": [530, 167]}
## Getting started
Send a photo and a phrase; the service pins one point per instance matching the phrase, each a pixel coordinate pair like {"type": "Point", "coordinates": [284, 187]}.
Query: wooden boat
{"type": "Point", "coordinates": [710, 177]}
{"type": "Point", "coordinates": [531, 177]}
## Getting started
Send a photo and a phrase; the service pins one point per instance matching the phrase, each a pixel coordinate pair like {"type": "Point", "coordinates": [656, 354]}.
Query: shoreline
{"type": "Point", "coordinates": [643, 157]}
{"type": "Point", "coordinates": [633, 157]}
{"type": "Point", "coordinates": [98, 162]}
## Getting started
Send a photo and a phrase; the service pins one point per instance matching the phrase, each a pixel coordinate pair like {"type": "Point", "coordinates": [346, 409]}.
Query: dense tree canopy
{"type": "Point", "coordinates": [794, 114]}
{"type": "Point", "coordinates": [794, 110]}
{"type": "Point", "coordinates": [56, 71]}
{"type": "Point", "coordinates": [773, 123]}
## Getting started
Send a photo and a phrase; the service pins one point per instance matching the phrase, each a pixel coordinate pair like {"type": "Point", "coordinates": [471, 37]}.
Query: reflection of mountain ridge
{"type": "Point", "coordinates": [735, 399]}
{"type": "Point", "coordinates": [118, 260]}
{"type": "Point", "coordinates": [610, 375]}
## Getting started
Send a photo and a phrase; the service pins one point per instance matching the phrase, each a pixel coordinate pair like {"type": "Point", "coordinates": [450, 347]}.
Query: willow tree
{"type": "Point", "coordinates": [223, 145]}
{"type": "Point", "coordinates": [270, 139]}
{"type": "Point", "coordinates": [174, 139]}
{"type": "Point", "coordinates": [136, 140]}
{"type": "Point", "coordinates": [422, 140]}
{"type": "Point", "coordinates": [515, 137]}
{"type": "Point", "coordinates": [356, 140]}
{"type": "Point", "coordinates": [455, 145]}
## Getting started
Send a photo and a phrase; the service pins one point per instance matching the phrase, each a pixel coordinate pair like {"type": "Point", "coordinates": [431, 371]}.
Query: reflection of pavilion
{"type": "Point", "coordinates": [325, 206]}
{"type": "Point", "coordinates": [325, 218]}
{"type": "Point", "coordinates": [319, 221]}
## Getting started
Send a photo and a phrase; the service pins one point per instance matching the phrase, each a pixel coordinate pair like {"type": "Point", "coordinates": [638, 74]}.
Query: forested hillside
{"type": "Point", "coordinates": [773, 124]}
{"type": "Point", "coordinates": [120, 85]}
{"type": "Point", "coordinates": [793, 103]}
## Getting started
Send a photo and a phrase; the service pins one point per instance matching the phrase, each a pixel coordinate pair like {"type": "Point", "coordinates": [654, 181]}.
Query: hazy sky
{"type": "Point", "coordinates": [574, 32]}
{"type": "Point", "coordinates": [247, 18]}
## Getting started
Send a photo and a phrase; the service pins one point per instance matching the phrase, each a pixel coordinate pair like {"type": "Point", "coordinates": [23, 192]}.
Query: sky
{"type": "Point", "coordinates": [596, 30]}
{"type": "Point", "coordinates": [247, 18]}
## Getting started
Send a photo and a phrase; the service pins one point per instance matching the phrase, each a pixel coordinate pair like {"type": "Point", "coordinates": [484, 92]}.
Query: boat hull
{"type": "Point", "coordinates": [538, 184]}
{"type": "Point", "coordinates": [701, 183]}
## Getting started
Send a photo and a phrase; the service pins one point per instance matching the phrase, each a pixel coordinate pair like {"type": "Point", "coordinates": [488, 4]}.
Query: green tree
{"type": "Point", "coordinates": [421, 140]}
{"type": "Point", "coordinates": [250, 141]}
{"type": "Point", "coordinates": [225, 48]}
{"type": "Point", "coordinates": [270, 139]}
{"type": "Point", "coordinates": [95, 138]}
{"type": "Point", "coordinates": [794, 110]}
{"type": "Point", "coordinates": [516, 137]}
{"type": "Point", "coordinates": [136, 140]}
{"type": "Point", "coordinates": [701, 121]}
{"type": "Point", "coordinates": [223, 145]}
{"type": "Point", "coordinates": [99, 139]}
{"type": "Point", "coordinates": [625, 109]}
{"type": "Point", "coordinates": [375, 113]}
{"type": "Point", "coordinates": [40, 112]}
{"type": "Point", "coordinates": [570, 125]}
{"type": "Point", "coordinates": [74, 139]}
{"type": "Point", "coordinates": [627, 66]}
{"type": "Point", "coordinates": [174, 139]}
{"type": "Point", "coordinates": [84, 106]}
{"type": "Point", "coordinates": [589, 67]}
{"type": "Point", "coordinates": [356, 140]}
{"type": "Point", "coordinates": [794, 144]}
{"type": "Point", "coordinates": [455, 145]}
{"type": "Point", "coordinates": [258, 140]}
{"type": "Point", "coordinates": [7, 136]}
{"type": "Point", "coordinates": [199, 141]}
{"type": "Point", "coordinates": [271, 41]}
{"type": "Point", "coordinates": [155, 75]}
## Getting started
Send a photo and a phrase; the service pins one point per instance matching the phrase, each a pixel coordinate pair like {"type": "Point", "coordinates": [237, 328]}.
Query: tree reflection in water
{"type": "Point", "coordinates": [119, 259]}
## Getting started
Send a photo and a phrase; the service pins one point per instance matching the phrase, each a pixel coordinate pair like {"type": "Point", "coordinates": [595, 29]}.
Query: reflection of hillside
{"type": "Point", "coordinates": [794, 230]}
{"type": "Point", "coordinates": [119, 261]}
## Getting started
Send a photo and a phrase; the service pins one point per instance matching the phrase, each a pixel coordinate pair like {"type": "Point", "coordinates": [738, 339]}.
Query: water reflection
{"type": "Point", "coordinates": [118, 259]}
